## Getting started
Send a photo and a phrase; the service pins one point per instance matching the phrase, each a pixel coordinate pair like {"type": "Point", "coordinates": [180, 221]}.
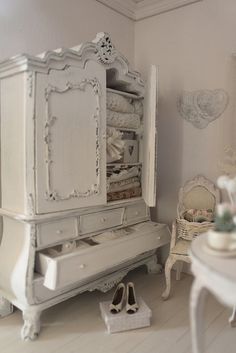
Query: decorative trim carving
{"type": "Point", "coordinates": [51, 194]}
{"type": "Point", "coordinates": [31, 203]}
{"type": "Point", "coordinates": [109, 284]}
{"type": "Point", "coordinates": [202, 107]}
{"type": "Point", "coordinates": [33, 237]}
{"type": "Point", "coordinates": [30, 83]}
{"type": "Point", "coordinates": [106, 51]}
{"type": "Point", "coordinates": [61, 58]}
{"type": "Point", "coordinates": [145, 8]}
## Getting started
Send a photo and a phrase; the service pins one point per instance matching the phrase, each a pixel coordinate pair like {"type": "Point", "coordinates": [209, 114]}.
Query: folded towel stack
{"type": "Point", "coordinates": [124, 185]}
{"type": "Point", "coordinates": [123, 112]}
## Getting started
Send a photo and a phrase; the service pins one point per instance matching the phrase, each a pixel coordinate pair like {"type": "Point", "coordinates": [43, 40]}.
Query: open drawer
{"type": "Point", "coordinates": [98, 253]}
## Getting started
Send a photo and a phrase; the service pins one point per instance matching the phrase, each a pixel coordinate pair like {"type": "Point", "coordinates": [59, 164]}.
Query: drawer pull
{"type": "Point", "coordinates": [158, 238]}
{"type": "Point", "coordinates": [103, 219]}
{"type": "Point", "coordinates": [136, 213]}
{"type": "Point", "coordinates": [82, 266]}
{"type": "Point", "coordinates": [59, 231]}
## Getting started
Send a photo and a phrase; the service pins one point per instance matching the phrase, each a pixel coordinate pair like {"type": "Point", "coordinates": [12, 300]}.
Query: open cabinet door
{"type": "Point", "coordinates": [150, 139]}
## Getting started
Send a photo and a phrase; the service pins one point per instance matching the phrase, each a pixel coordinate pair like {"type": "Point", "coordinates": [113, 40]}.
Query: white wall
{"type": "Point", "coordinates": [33, 26]}
{"type": "Point", "coordinates": [193, 48]}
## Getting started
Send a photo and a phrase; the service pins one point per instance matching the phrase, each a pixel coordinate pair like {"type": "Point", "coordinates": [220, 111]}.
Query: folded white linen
{"type": "Point", "coordinates": [125, 120]}
{"type": "Point", "coordinates": [124, 174]}
{"type": "Point", "coordinates": [119, 103]}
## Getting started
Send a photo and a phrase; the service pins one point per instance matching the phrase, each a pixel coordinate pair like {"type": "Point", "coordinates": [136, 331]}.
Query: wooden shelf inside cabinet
{"type": "Point", "coordinates": [138, 131]}
{"type": "Point", "coordinates": [125, 94]}
{"type": "Point", "coordinates": [123, 164]}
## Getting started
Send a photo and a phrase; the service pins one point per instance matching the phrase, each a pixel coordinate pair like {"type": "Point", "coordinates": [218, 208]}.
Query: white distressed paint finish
{"type": "Point", "coordinates": [212, 274]}
{"type": "Point", "coordinates": [54, 179]}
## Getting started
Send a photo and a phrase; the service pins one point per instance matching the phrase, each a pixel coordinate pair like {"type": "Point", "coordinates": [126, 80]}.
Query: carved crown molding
{"type": "Point", "coordinates": [100, 49]}
{"type": "Point", "coordinates": [140, 9]}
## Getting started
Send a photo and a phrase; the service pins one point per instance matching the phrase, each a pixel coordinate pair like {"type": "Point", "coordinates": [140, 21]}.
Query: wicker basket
{"type": "Point", "coordinates": [189, 230]}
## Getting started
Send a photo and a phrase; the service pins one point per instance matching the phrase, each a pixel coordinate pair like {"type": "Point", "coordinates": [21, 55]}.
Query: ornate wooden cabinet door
{"type": "Point", "coordinates": [149, 174]}
{"type": "Point", "coordinates": [70, 138]}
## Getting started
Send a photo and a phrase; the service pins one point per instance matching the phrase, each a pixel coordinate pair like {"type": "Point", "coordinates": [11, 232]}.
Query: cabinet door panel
{"type": "Point", "coordinates": [150, 139]}
{"type": "Point", "coordinates": [70, 148]}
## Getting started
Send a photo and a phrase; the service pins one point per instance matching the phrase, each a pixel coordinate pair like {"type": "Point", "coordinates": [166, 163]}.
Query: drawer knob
{"type": "Point", "coordinates": [82, 266]}
{"type": "Point", "coordinates": [103, 219]}
{"type": "Point", "coordinates": [158, 238]}
{"type": "Point", "coordinates": [59, 231]}
{"type": "Point", "coordinates": [136, 213]}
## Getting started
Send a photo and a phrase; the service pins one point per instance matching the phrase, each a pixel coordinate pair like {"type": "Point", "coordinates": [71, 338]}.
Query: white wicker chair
{"type": "Point", "coordinates": [198, 193]}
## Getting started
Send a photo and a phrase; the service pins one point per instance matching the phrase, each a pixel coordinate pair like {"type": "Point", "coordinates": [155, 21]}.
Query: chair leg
{"type": "Point", "coordinates": [179, 269]}
{"type": "Point", "coordinates": [232, 319]}
{"type": "Point", "coordinates": [168, 266]}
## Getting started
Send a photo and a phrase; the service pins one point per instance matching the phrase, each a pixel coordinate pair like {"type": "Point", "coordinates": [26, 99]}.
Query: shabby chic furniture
{"type": "Point", "coordinates": [73, 219]}
{"type": "Point", "coordinates": [197, 194]}
{"type": "Point", "coordinates": [213, 274]}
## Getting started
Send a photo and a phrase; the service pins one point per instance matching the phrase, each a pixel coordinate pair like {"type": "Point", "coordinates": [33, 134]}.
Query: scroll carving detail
{"type": "Point", "coordinates": [106, 51]}
{"type": "Point", "coordinates": [52, 194]}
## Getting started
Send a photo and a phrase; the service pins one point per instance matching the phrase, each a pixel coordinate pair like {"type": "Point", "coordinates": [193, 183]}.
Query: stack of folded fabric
{"type": "Point", "coordinates": [124, 185]}
{"type": "Point", "coordinates": [123, 112]}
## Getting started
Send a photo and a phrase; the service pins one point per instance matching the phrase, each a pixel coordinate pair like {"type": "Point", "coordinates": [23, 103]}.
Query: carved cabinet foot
{"type": "Point", "coordinates": [6, 308]}
{"type": "Point", "coordinates": [168, 266]}
{"type": "Point", "coordinates": [232, 319]}
{"type": "Point", "coordinates": [153, 266]}
{"type": "Point", "coordinates": [31, 327]}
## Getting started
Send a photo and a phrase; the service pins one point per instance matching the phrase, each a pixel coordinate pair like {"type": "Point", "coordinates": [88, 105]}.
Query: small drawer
{"type": "Point", "coordinates": [136, 212]}
{"type": "Point", "coordinates": [54, 232]}
{"type": "Point", "coordinates": [88, 259]}
{"type": "Point", "coordinates": [101, 220]}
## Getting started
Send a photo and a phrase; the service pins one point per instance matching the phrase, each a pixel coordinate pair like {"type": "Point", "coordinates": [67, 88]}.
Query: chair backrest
{"type": "Point", "coordinates": [198, 193]}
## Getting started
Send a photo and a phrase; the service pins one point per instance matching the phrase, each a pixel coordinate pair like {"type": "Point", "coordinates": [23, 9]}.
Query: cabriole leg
{"type": "Point", "coordinates": [168, 266]}
{"type": "Point", "coordinates": [31, 327]}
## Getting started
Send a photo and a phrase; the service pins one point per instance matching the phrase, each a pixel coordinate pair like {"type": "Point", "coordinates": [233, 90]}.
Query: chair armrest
{"type": "Point", "coordinates": [173, 235]}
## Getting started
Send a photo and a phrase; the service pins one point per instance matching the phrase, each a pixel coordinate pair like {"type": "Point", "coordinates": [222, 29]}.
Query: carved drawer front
{"type": "Point", "coordinates": [54, 232]}
{"type": "Point", "coordinates": [101, 220]}
{"type": "Point", "coordinates": [99, 253]}
{"type": "Point", "coordinates": [136, 212]}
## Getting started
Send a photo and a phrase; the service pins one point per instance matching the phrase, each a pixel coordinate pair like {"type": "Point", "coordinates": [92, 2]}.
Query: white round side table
{"type": "Point", "coordinates": [214, 274]}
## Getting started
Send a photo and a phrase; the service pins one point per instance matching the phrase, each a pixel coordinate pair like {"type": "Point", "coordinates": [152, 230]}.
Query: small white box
{"type": "Point", "coordinates": [130, 151]}
{"type": "Point", "coordinates": [123, 321]}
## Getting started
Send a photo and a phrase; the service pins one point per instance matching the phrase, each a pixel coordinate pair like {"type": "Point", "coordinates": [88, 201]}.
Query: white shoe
{"type": "Point", "coordinates": [118, 299]}
{"type": "Point", "coordinates": [131, 301]}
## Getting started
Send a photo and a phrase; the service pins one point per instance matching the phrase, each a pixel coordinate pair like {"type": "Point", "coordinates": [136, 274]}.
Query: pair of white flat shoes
{"type": "Point", "coordinates": [119, 299]}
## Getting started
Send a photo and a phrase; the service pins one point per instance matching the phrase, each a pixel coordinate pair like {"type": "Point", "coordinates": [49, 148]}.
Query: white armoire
{"type": "Point", "coordinates": [78, 175]}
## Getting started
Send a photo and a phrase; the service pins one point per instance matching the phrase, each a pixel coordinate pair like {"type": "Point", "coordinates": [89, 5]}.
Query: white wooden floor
{"type": "Point", "coordinates": [76, 325]}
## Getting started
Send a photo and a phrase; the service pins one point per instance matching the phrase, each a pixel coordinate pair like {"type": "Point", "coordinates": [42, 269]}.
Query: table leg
{"type": "Point", "coordinates": [197, 302]}
{"type": "Point", "coordinates": [232, 319]}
